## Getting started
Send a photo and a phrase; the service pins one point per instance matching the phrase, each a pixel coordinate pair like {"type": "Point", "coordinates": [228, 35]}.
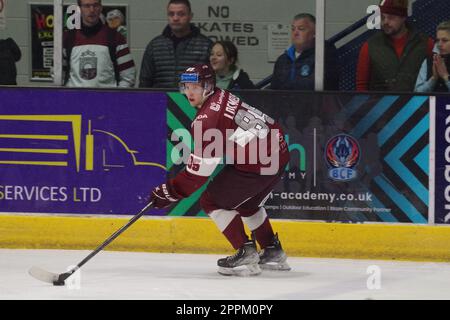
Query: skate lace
{"type": "Point", "coordinates": [234, 256]}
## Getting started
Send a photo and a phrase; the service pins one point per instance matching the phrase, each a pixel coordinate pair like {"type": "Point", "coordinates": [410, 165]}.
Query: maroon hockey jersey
{"type": "Point", "coordinates": [227, 130]}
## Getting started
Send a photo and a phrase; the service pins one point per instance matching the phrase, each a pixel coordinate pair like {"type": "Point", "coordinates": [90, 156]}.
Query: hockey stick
{"type": "Point", "coordinates": [58, 279]}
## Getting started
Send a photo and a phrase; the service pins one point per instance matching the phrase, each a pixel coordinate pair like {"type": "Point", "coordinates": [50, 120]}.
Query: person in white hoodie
{"type": "Point", "coordinates": [434, 73]}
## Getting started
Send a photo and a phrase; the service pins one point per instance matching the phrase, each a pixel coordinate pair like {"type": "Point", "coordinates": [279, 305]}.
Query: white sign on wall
{"type": "Point", "coordinates": [278, 40]}
{"type": "Point", "coordinates": [2, 14]}
{"type": "Point", "coordinates": [223, 25]}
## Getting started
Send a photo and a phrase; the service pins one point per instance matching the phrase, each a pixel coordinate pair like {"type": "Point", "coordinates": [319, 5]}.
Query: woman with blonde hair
{"type": "Point", "coordinates": [434, 73]}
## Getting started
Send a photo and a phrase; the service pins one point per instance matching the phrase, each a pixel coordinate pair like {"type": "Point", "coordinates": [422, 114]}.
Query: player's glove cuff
{"type": "Point", "coordinates": [164, 195]}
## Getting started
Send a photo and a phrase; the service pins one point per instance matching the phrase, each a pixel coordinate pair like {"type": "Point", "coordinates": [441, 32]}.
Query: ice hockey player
{"type": "Point", "coordinates": [253, 149]}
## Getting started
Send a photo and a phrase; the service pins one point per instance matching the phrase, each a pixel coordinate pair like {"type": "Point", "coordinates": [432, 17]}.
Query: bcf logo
{"type": "Point", "coordinates": [342, 174]}
{"type": "Point", "coordinates": [342, 155]}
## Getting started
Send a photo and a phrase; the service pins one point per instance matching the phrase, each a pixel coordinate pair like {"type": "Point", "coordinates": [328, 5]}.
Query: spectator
{"type": "Point", "coordinates": [179, 46]}
{"type": "Point", "coordinates": [96, 55]}
{"type": "Point", "coordinates": [294, 69]}
{"type": "Point", "coordinates": [390, 60]}
{"type": "Point", "coordinates": [116, 20]}
{"type": "Point", "coordinates": [9, 55]}
{"type": "Point", "coordinates": [223, 59]}
{"type": "Point", "coordinates": [437, 69]}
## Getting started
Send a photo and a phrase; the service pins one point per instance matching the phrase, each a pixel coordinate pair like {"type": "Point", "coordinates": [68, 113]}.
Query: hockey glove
{"type": "Point", "coordinates": [163, 196]}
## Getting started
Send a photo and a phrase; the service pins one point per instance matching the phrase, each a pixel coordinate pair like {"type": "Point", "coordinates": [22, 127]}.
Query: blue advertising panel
{"type": "Point", "coordinates": [354, 158]}
{"type": "Point", "coordinates": [67, 151]}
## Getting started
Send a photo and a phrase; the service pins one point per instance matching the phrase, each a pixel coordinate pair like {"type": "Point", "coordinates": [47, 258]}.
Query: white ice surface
{"type": "Point", "coordinates": [122, 275]}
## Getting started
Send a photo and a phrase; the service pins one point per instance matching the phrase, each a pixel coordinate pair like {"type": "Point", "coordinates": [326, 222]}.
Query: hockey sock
{"type": "Point", "coordinates": [264, 234]}
{"type": "Point", "coordinates": [259, 224]}
{"type": "Point", "coordinates": [230, 224]}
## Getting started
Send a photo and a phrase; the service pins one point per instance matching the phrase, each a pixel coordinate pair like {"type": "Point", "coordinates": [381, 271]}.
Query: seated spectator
{"type": "Point", "coordinates": [390, 59]}
{"type": "Point", "coordinates": [295, 69]}
{"type": "Point", "coordinates": [9, 55]}
{"type": "Point", "coordinates": [434, 73]}
{"type": "Point", "coordinates": [223, 59]}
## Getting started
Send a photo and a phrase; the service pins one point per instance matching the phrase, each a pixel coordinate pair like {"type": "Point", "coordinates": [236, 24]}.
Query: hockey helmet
{"type": "Point", "coordinates": [199, 73]}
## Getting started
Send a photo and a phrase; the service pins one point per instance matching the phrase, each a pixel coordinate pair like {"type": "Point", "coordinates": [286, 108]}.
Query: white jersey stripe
{"type": "Point", "coordinates": [124, 59]}
{"type": "Point", "coordinates": [121, 47]}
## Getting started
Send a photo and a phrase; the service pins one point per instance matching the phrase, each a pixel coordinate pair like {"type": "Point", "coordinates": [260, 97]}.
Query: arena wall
{"type": "Point", "coordinates": [218, 19]}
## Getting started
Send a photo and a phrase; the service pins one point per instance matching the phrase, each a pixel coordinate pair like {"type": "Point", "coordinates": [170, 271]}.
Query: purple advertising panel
{"type": "Point", "coordinates": [90, 152]}
{"type": "Point", "coordinates": [442, 169]}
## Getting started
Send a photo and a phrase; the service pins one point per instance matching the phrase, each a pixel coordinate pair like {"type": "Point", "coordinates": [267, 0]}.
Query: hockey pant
{"type": "Point", "coordinates": [234, 198]}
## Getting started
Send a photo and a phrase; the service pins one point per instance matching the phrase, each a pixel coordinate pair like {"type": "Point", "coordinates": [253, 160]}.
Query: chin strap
{"type": "Point", "coordinates": [209, 93]}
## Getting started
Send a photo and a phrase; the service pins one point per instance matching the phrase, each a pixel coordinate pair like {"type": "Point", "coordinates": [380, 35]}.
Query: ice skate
{"type": "Point", "coordinates": [273, 257]}
{"type": "Point", "coordinates": [243, 263]}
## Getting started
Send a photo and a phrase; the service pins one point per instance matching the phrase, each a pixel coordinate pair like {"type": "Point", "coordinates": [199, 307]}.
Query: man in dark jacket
{"type": "Point", "coordinates": [295, 69]}
{"type": "Point", "coordinates": [181, 45]}
{"type": "Point", "coordinates": [9, 55]}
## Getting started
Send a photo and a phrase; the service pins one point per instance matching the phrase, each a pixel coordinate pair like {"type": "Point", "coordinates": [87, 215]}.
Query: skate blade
{"type": "Point", "coordinates": [275, 266]}
{"type": "Point", "coordinates": [241, 271]}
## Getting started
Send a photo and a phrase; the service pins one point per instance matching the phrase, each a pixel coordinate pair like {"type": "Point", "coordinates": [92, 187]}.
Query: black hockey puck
{"type": "Point", "coordinates": [59, 283]}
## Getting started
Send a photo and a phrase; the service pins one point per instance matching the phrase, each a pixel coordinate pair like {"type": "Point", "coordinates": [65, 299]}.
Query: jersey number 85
{"type": "Point", "coordinates": [253, 120]}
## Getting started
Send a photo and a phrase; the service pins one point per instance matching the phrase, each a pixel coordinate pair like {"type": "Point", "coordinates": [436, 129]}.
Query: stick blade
{"type": "Point", "coordinates": [43, 275]}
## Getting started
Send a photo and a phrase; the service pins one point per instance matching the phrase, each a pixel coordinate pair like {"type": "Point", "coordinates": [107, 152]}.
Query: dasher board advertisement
{"type": "Point", "coordinates": [88, 152]}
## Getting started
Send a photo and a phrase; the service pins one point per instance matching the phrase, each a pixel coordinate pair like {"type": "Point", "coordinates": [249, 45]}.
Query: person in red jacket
{"type": "Point", "coordinates": [390, 60]}
{"type": "Point", "coordinates": [251, 144]}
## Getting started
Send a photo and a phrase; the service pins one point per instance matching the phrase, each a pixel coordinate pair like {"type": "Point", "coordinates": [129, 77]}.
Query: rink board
{"type": "Point", "coordinates": [123, 153]}
{"type": "Point", "coordinates": [388, 183]}
{"type": "Point", "coordinates": [100, 152]}
{"type": "Point", "coordinates": [200, 235]}
{"type": "Point", "coordinates": [71, 151]}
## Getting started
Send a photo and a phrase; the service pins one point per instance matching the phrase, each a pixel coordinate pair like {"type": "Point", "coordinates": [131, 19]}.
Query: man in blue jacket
{"type": "Point", "coordinates": [295, 69]}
